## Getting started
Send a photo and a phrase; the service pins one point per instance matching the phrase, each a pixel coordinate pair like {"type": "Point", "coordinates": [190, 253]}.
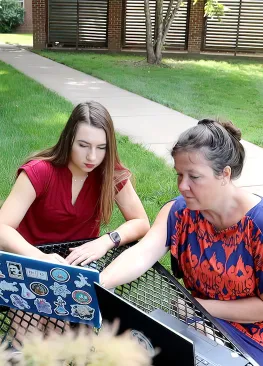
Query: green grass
{"type": "Point", "coordinates": [32, 117]}
{"type": "Point", "coordinates": [17, 39]}
{"type": "Point", "coordinates": [229, 89]}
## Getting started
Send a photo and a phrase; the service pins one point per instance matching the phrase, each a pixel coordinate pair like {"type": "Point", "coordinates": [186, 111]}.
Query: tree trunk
{"type": "Point", "coordinates": [159, 31]}
{"type": "Point", "coordinates": [163, 23]}
{"type": "Point", "coordinates": [151, 59]}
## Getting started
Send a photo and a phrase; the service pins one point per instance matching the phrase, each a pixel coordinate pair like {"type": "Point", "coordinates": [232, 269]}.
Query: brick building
{"type": "Point", "coordinates": [27, 26]}
{"type": "Point", "coordinates": [116, 25]}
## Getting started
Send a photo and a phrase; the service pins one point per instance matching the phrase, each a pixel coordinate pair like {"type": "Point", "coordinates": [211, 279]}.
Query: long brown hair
{"type": "Point", "coordinates": [95, 115]}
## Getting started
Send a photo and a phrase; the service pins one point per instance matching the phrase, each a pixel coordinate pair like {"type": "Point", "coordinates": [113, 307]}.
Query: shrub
{"type": "Point", "coordinates": [11, 15]}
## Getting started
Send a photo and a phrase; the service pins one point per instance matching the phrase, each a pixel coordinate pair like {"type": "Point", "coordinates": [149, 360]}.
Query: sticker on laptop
{"type": "Point", "coordinates": [18, 302]}
{"type": "Point", "coordinates": [43, 306]}
{"type": "Point", "coordinates": [59, 274]}
{"type": "Point", "coordinates": [83, 281]}
{"type": "Point", "coordinates": [82, 297]}
{"type": "Point", "coordinates": [1, 274]}
{"type": "Point", "coordinates": [143, 341]}
{"type": "Point", "coordinates": [2, 297]}
{"type": "Point", "coordinates": [26, 293]}
{"type": "Point", "coordinates": [8, 286]}
{"type": "Point", "coordinates": [35, 273]}
{"type": "Point", "coordinates": [39, 288]}
{"type": "Point", "coordinates": [60, 306]}
{"type": "Point", "coordinates": [60, 290]}
{"type": "Point", "coordinates": [83, 312]}
{"type": "Point", "coordinates": [15, 270]}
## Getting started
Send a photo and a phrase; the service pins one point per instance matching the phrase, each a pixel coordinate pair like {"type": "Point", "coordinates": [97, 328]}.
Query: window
{"type": "Point", "coordinates": [21, 2]}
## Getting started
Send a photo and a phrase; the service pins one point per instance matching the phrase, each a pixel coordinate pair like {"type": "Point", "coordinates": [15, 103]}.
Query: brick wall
{"type": "Point", "coordinates": [114, 25]}
{"type": "Point", "coordinates": [196, 21]}
{"type": "Point", "coordinates": [27, 26]}
{"type": "Point", "coordinates": [39, 11]}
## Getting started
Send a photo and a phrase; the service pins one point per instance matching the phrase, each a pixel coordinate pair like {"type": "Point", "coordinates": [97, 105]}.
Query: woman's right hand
{"type": "Point", "coordinates": [53, 257]}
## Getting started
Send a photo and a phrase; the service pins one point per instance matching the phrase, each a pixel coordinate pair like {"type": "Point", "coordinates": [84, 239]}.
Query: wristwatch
{"type": "Point", "coordinates": [115, 237]}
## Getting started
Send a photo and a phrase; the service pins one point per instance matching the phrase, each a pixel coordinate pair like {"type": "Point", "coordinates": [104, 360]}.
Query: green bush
{"type": "Point", "coordinates": [11, 15]}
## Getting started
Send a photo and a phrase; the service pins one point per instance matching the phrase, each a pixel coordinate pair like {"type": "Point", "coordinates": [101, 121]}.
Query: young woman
{"type": "Point", "coordinates": [214, 231]}
{"type": "Point", "coordinates": [66, 192]}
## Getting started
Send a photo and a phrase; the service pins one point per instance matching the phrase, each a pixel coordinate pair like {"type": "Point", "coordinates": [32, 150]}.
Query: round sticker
{"type": "Point", "coordinates": [59, 274]}
{"type": "Point", "coordinates": [39, 288]}
{"type": "Point", "coordinates": [82, 297]}
{"type": "Point", "coordinates": [143, 341]}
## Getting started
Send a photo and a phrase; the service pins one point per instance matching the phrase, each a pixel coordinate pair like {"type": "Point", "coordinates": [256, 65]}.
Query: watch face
{"type": "Point", "coordinates": [115, 237]}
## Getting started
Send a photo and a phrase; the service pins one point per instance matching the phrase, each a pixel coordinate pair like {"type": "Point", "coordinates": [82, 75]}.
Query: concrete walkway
{"type": "Point", "coordinates": [144, 121]}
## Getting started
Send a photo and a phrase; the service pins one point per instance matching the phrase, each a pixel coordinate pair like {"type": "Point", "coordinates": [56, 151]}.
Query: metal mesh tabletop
{"type": "Point", "coordinates": [155, 289]}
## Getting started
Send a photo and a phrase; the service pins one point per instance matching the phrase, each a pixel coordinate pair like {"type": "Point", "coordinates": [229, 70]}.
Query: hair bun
{"type": "Point", "coordinates": [206, 121]}
{"type": "Point", "coordinates": [228, 126]}
{"type": "Point", "coordinates": [232, 129]}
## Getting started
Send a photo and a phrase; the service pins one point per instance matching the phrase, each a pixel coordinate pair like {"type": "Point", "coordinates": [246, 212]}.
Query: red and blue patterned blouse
{"type": "Point", "coordinates": [221, 265]}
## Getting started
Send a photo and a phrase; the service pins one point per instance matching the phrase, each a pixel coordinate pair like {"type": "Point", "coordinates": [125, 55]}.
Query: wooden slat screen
{"type": "Point", "coordinates": [241, 28]}
{"type": "Point", "coordinates": [135, 32]}
{"type": "Point", "coordinates": [78, 22]}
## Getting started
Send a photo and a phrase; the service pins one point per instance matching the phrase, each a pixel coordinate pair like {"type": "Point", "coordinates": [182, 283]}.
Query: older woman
{"type": "Point", "coordinates": [214, 232]}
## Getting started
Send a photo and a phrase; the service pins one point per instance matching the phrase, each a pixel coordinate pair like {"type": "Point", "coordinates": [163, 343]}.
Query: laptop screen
{"type": "Point", "coordinates": [150, 333]}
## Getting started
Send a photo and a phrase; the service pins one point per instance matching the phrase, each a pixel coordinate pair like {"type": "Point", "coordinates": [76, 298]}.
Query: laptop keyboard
{"type": "Point", "coordinates": [199, 361]}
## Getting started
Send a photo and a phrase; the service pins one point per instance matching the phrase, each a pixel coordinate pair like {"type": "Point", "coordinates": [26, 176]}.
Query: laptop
{"type": "Point", "coordinates": [177, 341]}
{"type": "Point", "coordinates": [55, 290]}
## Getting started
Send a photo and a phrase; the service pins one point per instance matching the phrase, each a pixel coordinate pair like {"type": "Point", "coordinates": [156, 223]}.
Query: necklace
{"type": "Point", "coordinates": [80, 180]}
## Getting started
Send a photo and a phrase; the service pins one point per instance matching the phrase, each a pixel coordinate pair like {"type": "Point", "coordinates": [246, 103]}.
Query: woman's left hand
{"type": "Point", "coordinates": [89, 251]}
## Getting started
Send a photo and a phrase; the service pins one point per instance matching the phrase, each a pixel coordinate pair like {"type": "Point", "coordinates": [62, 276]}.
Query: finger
{"type": "Point", "coordinates": [59, 259]}
{"type": "Point", "coordinates": [89, 260]}
{"type": "Point", "coordinates": [82, 258]}
{"type": "Point", "coordinates": [73, 255]}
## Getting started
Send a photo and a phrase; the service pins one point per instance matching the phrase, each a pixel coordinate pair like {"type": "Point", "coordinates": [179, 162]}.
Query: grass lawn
{"type": "Point", "coordinates": [32, 117]}
{"type": "Point", "coordinates": [17, 39]}
{"type": "Point", "coordinates": [229, 89]}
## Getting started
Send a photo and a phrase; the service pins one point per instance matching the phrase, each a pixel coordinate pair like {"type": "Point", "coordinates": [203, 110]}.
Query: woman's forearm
{"type": "Point", "coordinates": [12, 241]}
{"type": "Point", "coordinates": [248, 310]}
{"type": "Point", "coordinates": [135, 261]}
{"type": "Point", "coordinates": [133, 230]}
{"type": "Point", "coordinates": [125, 268]}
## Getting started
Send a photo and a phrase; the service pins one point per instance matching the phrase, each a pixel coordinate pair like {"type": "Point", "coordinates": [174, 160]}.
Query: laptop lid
{"type": "Point", "coordinates": [149, 332]}
{"type": "Point", "coordinates": [55, 290]}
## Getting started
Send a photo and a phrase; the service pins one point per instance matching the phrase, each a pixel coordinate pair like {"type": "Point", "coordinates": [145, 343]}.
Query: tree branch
{"type": "Point", "coordinates": [170, 20]}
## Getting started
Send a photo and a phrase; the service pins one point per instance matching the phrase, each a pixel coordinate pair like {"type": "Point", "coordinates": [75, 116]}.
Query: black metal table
{"type": "Point", "coordinates": [157, 288]}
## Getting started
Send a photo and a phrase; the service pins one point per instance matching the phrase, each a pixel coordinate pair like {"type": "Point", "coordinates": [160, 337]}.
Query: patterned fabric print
{"type": "Point", "coordinates": [221, 265]}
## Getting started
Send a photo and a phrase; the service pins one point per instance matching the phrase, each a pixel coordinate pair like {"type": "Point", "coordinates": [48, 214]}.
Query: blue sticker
{"type": "Point", "coordinates": [83, 312]}
{"type": "Point", "coordinates": [60, 306]}
{"type": "Point", "coordinates": [60, 290]}
{"type": "Point", "coordinates": [82, 281]}
{"type": "Point", "coordinates": [8, 286]}
{"type": "Point", "coordinates": [59, 274]}
{"type": "Point", "coordinates": [18, 302]}
{"type": "Point", "coordinates": [2, 297]}
{"type": "Point", "coordinates": [43, 306]}
{"type": "Point", "coordinates": [39, 288]}
{"type": "Point", "coordinates": [25, 293]}
{"type": "Point", "coordinates": [81, 297]}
